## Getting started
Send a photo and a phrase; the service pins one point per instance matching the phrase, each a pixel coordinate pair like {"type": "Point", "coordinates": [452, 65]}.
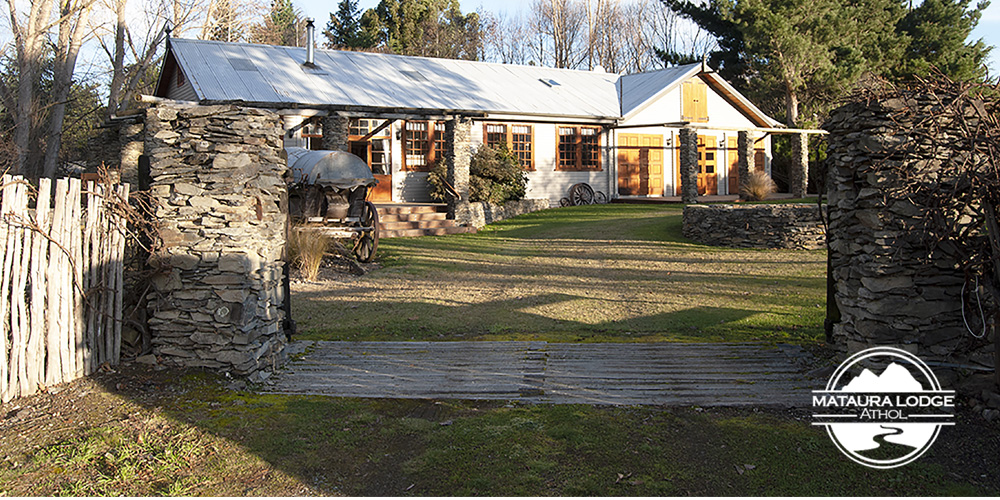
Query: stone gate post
{"type": "Point", "coordinates": [218, 180]}
{"type": "Point", "coordinates": [458, 140]}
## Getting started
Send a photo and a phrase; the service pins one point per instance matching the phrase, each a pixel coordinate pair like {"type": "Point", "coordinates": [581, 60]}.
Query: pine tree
{"type": "Point", "coordinates": [344, 29]}
{"type": "Point", "coordinates": [936, 34]}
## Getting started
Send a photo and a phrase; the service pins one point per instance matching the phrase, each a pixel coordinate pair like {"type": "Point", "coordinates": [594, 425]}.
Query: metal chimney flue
{"type": "Point", "coordinates": [310, 43]}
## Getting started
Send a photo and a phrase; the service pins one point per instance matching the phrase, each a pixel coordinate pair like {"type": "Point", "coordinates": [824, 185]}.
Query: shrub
{"type": "Point", "coordinates": [306, 249]}
{"type": "Point", "coordinates": [758, 186]}
{"type": "Point", "coordinates": [495, 176]}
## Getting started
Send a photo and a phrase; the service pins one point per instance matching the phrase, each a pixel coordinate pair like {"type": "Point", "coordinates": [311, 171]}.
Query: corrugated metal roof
{"type": "Point", "coordinates": [222, 71]}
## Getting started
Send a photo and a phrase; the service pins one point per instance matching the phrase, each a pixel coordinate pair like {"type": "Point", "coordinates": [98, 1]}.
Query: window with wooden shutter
{"type": "Point", "coordinates": [694, 94]}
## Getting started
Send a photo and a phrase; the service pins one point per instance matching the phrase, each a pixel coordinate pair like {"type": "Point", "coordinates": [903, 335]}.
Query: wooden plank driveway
{"type": "Point", "coordinates": [540, 372]}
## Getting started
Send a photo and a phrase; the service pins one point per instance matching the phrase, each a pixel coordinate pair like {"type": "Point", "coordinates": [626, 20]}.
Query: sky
{"type": "Point", "coordinates": [988, 29]}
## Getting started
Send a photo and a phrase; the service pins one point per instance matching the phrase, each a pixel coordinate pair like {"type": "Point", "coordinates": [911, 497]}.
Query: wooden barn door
{"type": "Point", "coordinates": [640, 164]}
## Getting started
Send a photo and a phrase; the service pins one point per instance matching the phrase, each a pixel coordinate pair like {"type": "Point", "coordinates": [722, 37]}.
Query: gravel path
{"type": "Point", "coordinates": [716, 374]}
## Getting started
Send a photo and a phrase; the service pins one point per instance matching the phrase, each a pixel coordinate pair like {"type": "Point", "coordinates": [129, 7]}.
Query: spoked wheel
{"type": "Point", "coordinates": [600, 198]}
{"type": "Point", "coordinates": [367, 242]}
{"type": "Point", "coordinates": [564, 202]}
{"type": "Point", "coordinates": [581, 194]}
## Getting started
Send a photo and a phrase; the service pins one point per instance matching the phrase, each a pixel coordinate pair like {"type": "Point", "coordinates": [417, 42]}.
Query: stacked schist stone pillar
{"type": "Point", "coordinates": [218, 178]}
{"type": "Point", "coordinates": [689, 165]}
{"type": "Point", "coordinates": [888, 291]}
{"type": "Point", "coordinates": [458, 137]}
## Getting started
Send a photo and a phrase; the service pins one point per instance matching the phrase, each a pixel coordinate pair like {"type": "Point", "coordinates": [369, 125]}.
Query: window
{"type": "Point", "coordinates": [579, 148]}
{"type": "Point", "coordinates": [423, 145]}
{"type": "Point", "coordinates": [180, 77]}
{"type": "Point", "coordinates": [375, 149]}
{"type": "Point", "coordinates": [518, 139]}
{"type": "Point", "coordinates": [694, 94]}
{"type": "Point", "coordinates": [312, 134]}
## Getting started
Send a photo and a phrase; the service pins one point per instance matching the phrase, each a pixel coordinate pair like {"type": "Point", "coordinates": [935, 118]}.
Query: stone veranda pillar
{"type": "Point", "coordinates": [335, 131]}
{"type": "Point", "coordinates": [217, 179]}
{"type": "Point", "coordinates": [744, 155]}
{"type": "Point", "coordinates": [798, 176]}
{"type": "Point", "coordinates": [689, 165]}
{"type": "Point", "coordinates": [458, 144]}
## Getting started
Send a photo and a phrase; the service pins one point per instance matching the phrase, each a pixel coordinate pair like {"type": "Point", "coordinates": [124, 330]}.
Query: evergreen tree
{"type": "Point", "coordinates": [432, 28]}
{"type": "Point", "coordinates": [344, 29]}
{"type": "Point", "coordinates": [936, 34]}
{"type": "Point", "coordinates": [807, 51]}
{"type": "Point", "coordinates": [224, 22]}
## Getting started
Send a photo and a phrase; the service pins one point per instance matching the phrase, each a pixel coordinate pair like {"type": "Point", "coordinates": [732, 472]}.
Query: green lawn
{"type": "Point", "coordinates": [599, 273]}
{"type": "Point", "coordinates": [193, 437]}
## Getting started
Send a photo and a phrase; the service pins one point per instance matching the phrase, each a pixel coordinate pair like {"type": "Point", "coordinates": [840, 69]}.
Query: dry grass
{"type": "Point", "coordinates": [307, 248]}
{"type": "Point", "coordinates": [758, 186]}
{"type": "Point", "coordinates": [594, 273]}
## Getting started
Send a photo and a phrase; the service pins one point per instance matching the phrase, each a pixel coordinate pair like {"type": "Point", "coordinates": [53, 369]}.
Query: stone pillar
{"type": "Point", "coordinates": [217, 178]}
{"type": "Point", "coordinates": [335, 132]}
{"type": "Point", "coordinates": [798, 176]}
{"type": "Point", "coordinates": [689, 165]}
{"type": "Point", "coordinates": [458, 144]}
{"type": "Point", "coordinates": [745, 157]}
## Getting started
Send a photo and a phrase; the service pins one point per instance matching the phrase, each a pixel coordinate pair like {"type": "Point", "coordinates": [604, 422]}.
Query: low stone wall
{"type": "Point", "coordinates": [795, 226]}
{"type": "Point", "coordinates": [483, 213]}
{"type": "Point", "coordinates": [218, 180]}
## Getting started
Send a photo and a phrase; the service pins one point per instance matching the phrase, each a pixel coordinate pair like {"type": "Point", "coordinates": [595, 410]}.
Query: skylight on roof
{"type": "Point", "coordinates": [414, 75]}
{"type": "Point", "coordinates": [549, 82]}
{"type": "Point", "coordinates": [241, 64]}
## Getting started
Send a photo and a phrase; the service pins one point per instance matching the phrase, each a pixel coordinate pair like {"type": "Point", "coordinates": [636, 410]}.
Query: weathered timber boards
{"type": "Point", "coordinates": [539, 372]}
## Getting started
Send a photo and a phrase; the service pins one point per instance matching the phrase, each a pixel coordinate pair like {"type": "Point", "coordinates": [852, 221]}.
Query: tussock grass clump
{"type": "Point", "coordinates": [306, 249]}
{"type": "Point", "coordinates": [758, 186]}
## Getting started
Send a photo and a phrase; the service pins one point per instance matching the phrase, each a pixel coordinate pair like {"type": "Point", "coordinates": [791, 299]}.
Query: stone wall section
{"type": "Point", "coordinates": [795, 226]}
{"type": "Point", "coordinates": [483, 213]}
{"type": "Point", "coordinates": [890, 291]}
{"type": "Point", "coordinates": [218, 178]}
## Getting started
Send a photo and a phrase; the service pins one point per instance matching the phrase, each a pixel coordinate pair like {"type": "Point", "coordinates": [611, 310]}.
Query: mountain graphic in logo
{"type": "Point", "coordinates": [885, 420]}
{"type": "Point", "coordinates": [895, 378]}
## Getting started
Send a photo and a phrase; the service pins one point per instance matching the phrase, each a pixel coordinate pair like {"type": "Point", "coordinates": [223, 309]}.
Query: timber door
{"type": "Point", "coordinates": [640, 164]}
{"type": "Point", "coordinates": [708, 178]}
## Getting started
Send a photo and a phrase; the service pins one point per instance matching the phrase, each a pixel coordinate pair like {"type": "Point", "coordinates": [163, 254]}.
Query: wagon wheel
{"type": "Point", "coordinates": [581, 194]}
{"type": "Point", "coordinates": [600, 198]}
{"type": "Point", "coordinates": [564, 202]}
{"type": "Point", "coordinates": [367, 242]}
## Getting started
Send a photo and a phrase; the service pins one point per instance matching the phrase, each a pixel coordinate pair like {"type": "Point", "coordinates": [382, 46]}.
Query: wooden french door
{"type": "Point", "coordinates": [640, 164]}
{"type": "Point", "coordinates": [375, 157]}
{"type": "Point", "coordinates": [734, 165]}
{"type": "Point", "coordinates": [708, 177]}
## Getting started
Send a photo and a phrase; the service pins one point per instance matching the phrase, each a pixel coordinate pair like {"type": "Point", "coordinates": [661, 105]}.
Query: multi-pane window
{"type": "Point", "coordinates": [312, 134]}
{"type": "Point", "coordinates": [423, 145]}
{"type": "Point", "coordinates": [579, 148]}
{"type": "Point", "coordinates": [518, 139]}
{"type": "Point", "coordinates": [369, 139]}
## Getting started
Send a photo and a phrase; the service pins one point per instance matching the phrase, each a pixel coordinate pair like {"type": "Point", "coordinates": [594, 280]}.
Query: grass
{"type": "Point", "coordinates": [579, 274]}
{"type": "Point", "coordinates": [201, 439]}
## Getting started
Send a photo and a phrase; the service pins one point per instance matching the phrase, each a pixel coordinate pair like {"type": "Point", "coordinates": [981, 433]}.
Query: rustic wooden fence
{"type": "Point", "coordinates": [61, 282]}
